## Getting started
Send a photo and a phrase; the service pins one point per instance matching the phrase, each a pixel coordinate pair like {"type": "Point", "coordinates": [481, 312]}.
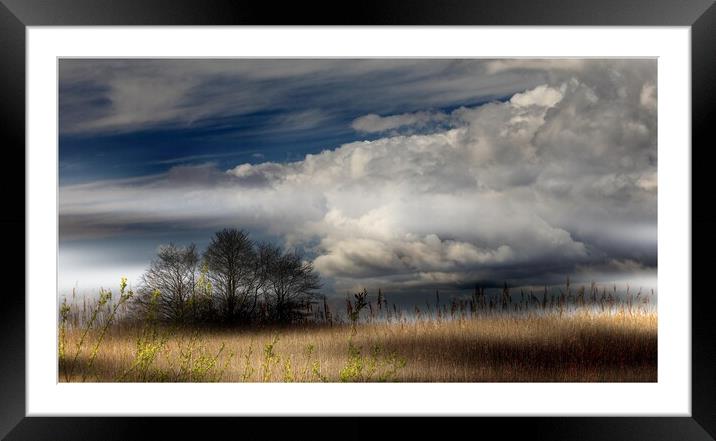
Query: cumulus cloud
{"type": "Point", "coordinates": [559, 178]}
{"type": "Point", "coordinates": [542, 96]}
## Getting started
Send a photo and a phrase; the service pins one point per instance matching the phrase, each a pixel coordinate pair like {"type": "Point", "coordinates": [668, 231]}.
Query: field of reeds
{"type": "Point", "coordinates": [572, 335]}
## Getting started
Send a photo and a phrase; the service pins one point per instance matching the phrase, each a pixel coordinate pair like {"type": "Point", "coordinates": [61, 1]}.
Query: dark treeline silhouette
{"type": "Point", "coordinates": [237, 281]}
{"type": "Point", "coordinates": [234, 281]}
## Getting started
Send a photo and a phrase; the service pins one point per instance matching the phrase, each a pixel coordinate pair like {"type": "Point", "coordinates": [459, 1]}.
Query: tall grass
{"type": "Point", "coordinates": [583, 334]}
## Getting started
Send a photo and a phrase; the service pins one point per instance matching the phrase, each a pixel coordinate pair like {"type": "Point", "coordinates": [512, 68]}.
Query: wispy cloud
{"type": "Point", "coordinates": [100, 96]}
{"type": "Point", "coordinates": [373, 123]}
{"type": "Point", "coordinates": [206, 157]}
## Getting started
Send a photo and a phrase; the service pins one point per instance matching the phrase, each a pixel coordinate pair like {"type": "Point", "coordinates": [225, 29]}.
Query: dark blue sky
{"type": "Point", "coordinates": [225, 141]}
{"type": "Point", "coordinates": [291, 111]}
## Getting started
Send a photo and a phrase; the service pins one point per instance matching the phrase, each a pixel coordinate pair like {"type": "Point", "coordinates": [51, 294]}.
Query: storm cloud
{"type": "Point", "coordinates": [556, 179]}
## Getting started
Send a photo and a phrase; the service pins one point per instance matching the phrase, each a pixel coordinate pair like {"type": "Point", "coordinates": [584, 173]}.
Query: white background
{"type": "Point", "coordinates": [670, 396]}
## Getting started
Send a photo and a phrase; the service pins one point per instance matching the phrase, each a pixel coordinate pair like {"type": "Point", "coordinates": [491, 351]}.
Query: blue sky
{"type": "Point", "coordinates": [306, 111]}
{"type": "Point", "coordinates": [396, 173]}
{"type": "Point", "coordinates": [225, 141]}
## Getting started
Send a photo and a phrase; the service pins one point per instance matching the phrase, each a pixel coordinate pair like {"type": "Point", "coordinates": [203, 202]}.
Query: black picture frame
{"type": "Point", "coordinates": [16, 15]}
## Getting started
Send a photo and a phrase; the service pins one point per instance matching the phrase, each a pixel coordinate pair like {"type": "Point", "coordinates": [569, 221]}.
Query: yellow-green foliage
{"type": "Point", "coordinates": [196, 364]}
{"type": "Point", "coordinates": [105, 298]}
{"type": "Point", "coordinates": [371, 367]}
{"type": "Point", "coordinates": [64, 315]}
{"type": "Point", "coordinates": [288, 376]}
{"type": "Point", "coordinates": [124, 296]}
{"type": "Point", "coordinates": [248, 373]}
{"type": "Point", "coordinates": [270, 359]}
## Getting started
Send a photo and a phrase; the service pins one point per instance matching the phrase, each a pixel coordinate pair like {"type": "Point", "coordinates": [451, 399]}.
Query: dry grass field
{"type": "Point", "coordinates": [583, 346]}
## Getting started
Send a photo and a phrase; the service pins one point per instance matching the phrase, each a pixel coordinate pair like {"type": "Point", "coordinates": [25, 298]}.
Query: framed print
{"type": "Point", "coordinates": [241, 213]}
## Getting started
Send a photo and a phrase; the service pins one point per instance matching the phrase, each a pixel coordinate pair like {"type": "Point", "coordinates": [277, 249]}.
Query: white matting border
{"type": "Point", "coordinates": [670, 396]}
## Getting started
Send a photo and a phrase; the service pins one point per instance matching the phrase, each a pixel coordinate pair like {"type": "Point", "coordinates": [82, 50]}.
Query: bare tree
{"type": "Point", "coordinates": [172, 274]}
{"type": "Point", "coordinates": [291, 284]}
{"type": "Point", "coordinates": [230, 259]}
{"type": "Point", "coordinates": [237, 282]}
{"type": "Point", "coordinates": [266, 254]}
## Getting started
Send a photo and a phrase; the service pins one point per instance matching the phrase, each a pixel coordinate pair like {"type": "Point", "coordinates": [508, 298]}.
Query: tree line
{"type": "Point", "coordinates": [234, 281]}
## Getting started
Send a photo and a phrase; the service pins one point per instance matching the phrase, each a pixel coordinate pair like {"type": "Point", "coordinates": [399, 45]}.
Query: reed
{"type": "Point", "coordinates": [580, 334]}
